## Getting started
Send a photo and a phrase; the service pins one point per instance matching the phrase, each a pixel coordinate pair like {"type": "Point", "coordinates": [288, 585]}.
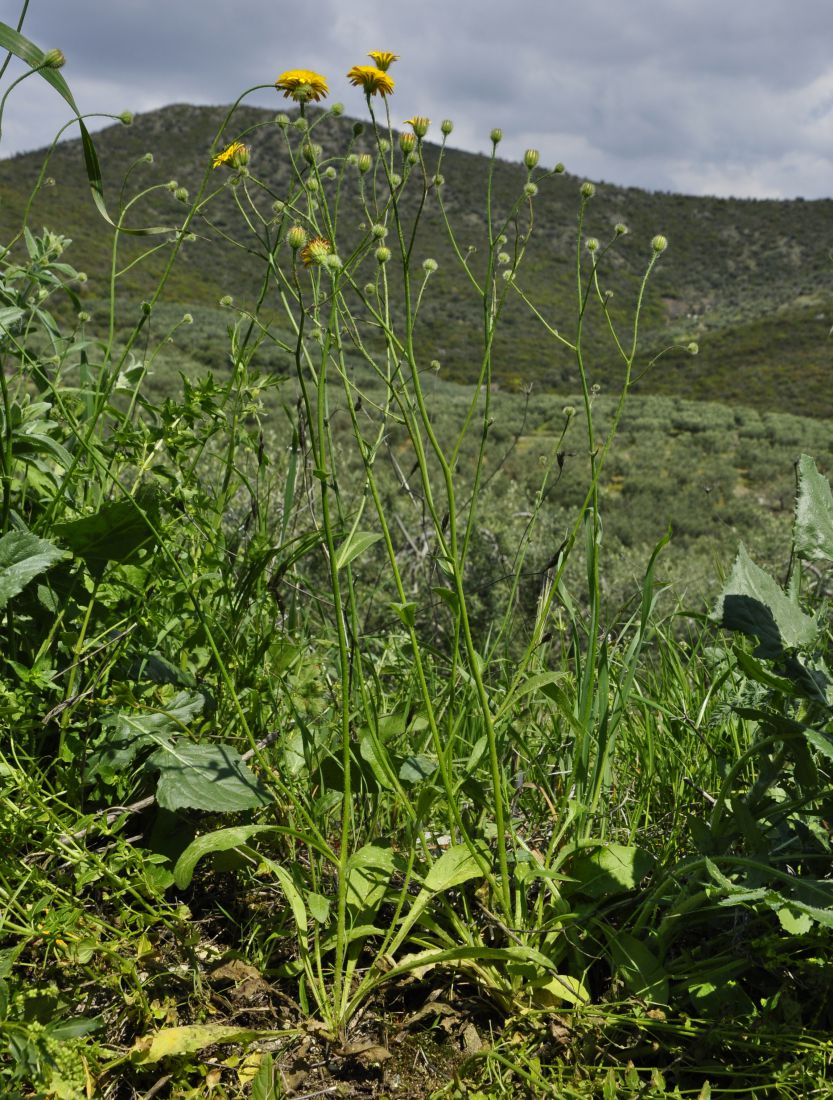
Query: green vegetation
{"type": "Point", "coordinates": [364, 733]}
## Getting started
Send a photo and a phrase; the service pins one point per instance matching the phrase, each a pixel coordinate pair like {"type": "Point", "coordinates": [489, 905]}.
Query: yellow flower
{"type": "Point", "coordinates": [316, 251]}
{"type": "Point", "coordinates": [382, 59]}
{"type": "Point", "coordinates": [230, 154]}
{"type": "Point", "coordinates": [372, 80]}
{"type": "Point", "coordinates": [302, 85]}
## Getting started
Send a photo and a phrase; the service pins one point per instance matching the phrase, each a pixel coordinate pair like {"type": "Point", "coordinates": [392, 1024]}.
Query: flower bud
{"type": "Point", "coordinates": [312, 184]}
{"type": "Point", "coordinates": [659, 243]}
{"type": "Point", "coordinates": [420, 124]}
{"type": "Point", "coordinates": [358, 129]}
{"type": "Point", "coordinates": [365, 163]}
{"type": "Point", "coordinates": [383, 254]}
{"type": "Point", "coordinates": [439, 180]}
{"type": "Point", "coordinates": [282, 120]}
{"type": "Point", "coordinates": [181, 194]}
{"type": "Point", "coordinates": [296, 237]}
{"type": "Point", "coordinates": [226, 300]}
{"type": "Point", "coordinates": [693, 348]}
{"type": "Point", "coordinates": [429, 266]}
{"type": "Point", "coordinates": [379, 231]}
{"type": "Point", "coordinates": [172, 185]}
{"type": "Point", "coordinates": [588, 190]}
{"type": "Point", "coordinates": [81, 276]}
{"type": "Point", "coordinates": [278, 207]}
{"type": "Point", "coordinates": [311, 152]}
{"type": "Point", "coordinates": [147, 308]}
{"type": "Point", "coordinates": [187, 318]}
{"type": "Point", "coordinates": [446, 126]}
{"type": "Point", "coordinates": [559, 168]}
{"type": "Point", "coordinates": [620, 229]}
{"type": "Point", "coordinates": [301, 124]}
{"type": "Point", "coordinates": [336, 109]}
{"type": "Point", "coordinates": [530, 190]}
{"type": "Point", "coordinates": [126, 118]}
{"type": "Point", "coordinates": [496, 136]}
{"type": "Point", "coordinates": [54, 59]}
{"type": "Point", "coordinates": [148, 158]}
{"type": "Point", "coordinates": [592, 244]}
{"type": "Point", "coordinates": [407, 142]}
{"type": "Point", "coordinates": [531, 158]}
{"type": "Point", "coordinates": [503, 257]}
{"type": "Point", "coordinates": [569, 411]}
{"type": "Point", "coordinates": [384, 145]}
{"type": "Point", "coordinates": [83, 317]}
{"type": "Point", "coordinates": [330, 173]}
{"type": "Point", "coordinates": [395, 179]}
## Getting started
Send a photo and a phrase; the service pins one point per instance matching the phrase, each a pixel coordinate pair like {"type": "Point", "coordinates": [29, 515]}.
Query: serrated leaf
{"type": "Point", "coordinates": [813, 524]}
{"type": "Point", "coordinates": [221, 840]}
{"type": "Point", "coordinates": [205, 777]}
{"type": "Point", "coordinates": [354, 545]}
{"type": "Point", "coordinates": [23, 556]}
{"type": "Point", "coordinates": [755, 605]}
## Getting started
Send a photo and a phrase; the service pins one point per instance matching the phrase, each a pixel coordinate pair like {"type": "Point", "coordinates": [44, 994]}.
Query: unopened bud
{"type": "Point", "coordinates": [531, 158]}
{"type": "Point", "coordinates": [384, 145]}
{"type": "Point", "coordinates": [311, 152]}
{"type": "Point", "coordinates": [282, 120]}
{"type": "Point", "coordinates": [365, 163]}
{"type": "Point", "coordinates": [592, 244]}
{"type": "Point", "coordinates": [296, 237]}
{"type": "Point", "coordinates": [420, 124]}
{"type": "Point", "coordinates": [330, 173]}
{"type": "Point", "coordinates": [83, 317]}
{"type": "Point", "coordinates": [446, 126]}
{"type": "Point", "coordinates": [126, 118]}
{"type": "Point", "coordinates": [358, 129]}
{"type": "Point", "coordinates": [54, 59]}
{"type": "Point", "coordinates": [439, 180]}
{"type": "Point", "coordinates": [559, 168]}
{"type": "Point", "coordinates": [530, 190]}
{"type": "Point", "coordinates": [337, 109]}
{"type": "Point", "coordinates": [147, 308]}
{"type": "Point", "coordinates": [379, 231]}
{"type": "Point", "coordinates": [693, 348]}
{"type": "Point", "coordinates": [496, 136]}
{"type": "Point", "coordinates": [429, 266]}
{"type": "Point", "coordinates": [407, 142]}
{"type": "Point", "coordinates": [659, 243]}
{"type": "Point", "coordinates": [620, 229]}
{"type": "Point", "coordinates": [395, 179]}
{"type": "Point", "coordinates": [187, 318]}
{"type": "Point", "coordinates": [383, 254]}
{"type": "Point", "coordinates": [301, 124]}
{"type": "Point", "coordinates": [181, 194]}
{"type": "Point", "coordinates": [588, 190]}
{"type": "Point", "coordinates": [226, 300]}
{"type": "Point", "coordinates": [148, 158]}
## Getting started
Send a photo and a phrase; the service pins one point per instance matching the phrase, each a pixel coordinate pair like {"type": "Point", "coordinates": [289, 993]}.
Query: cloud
{"type": "Point", "coordinates": [736, 98]}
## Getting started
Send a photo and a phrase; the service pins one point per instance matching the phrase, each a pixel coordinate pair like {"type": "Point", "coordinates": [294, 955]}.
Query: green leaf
{"type": "Point", "coordinates": [205, 777]}
{"type": "Point", "coordinates": [754, 604]}
{"type": "Point", "coordinates": [611, 869]}
{"type": "Point", "coordinates": [23, 556]}
{"type": "Point", "coordinates": [116, 532]}
{"type": "Point", "coordinates": [640, 970]}
{"type": "Point", "coordinates": [813, 523]}
{"type": "Point", "coordinates": [417, 768]}
{"type": "Point", "coordinates": [454, 867]}
{"type": "Point", "coordinates": [221, 840]}
{"type": "Point", "coordinates": [355, 544]}
{"type": "Point", "coordinates": [128, 732]}
{"type": "Point", "coordinates": [319, 907]}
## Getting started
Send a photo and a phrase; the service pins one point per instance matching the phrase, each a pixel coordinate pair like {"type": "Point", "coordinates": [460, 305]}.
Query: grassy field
{"type": "Point", "coordinates": [402, 694]}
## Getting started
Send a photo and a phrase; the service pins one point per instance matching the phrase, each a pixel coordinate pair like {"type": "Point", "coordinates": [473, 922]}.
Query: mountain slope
{"type": "Point", "coordinates": [751, 281]}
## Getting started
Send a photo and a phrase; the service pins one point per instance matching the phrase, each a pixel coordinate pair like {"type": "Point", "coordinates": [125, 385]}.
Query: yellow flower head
{"type": "Point", "coordinates": [382, 59]}
{"type": "Point", "coordinates": [374, 81]}
{"type": "Point", "coordinates": [232, 155]}
{"type": "Point", "coordinates": [419, 124]}
{"type": "Point", "coordinates": [316, 251]}
{"type": "Point", "coordinates": [302, 85]}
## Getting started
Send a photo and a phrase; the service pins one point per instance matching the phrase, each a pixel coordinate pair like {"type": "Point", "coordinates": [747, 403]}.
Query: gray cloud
{"type": "Point", "coordinates": [705, 97]}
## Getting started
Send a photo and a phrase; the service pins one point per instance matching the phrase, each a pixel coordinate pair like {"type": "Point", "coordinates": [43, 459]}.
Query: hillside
{"type": "Point", "coordinates": [751, 281]}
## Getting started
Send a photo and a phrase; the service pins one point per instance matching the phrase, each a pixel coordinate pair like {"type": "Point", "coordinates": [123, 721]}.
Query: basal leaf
{"type": "Point", "coordinates": [754, 604]}
{"type": "Point", "coordinates": [172, 1042]}
{"type": "Point", "coordinates": [454, 867]}
{"type": "Point", "coordinates": [23, 556]}
{"type": "Point", "coordinates": [813, 523]}
{"type": "Point", "coordinates": [221, 840]}
{"type": "Point", "coordinates": [641, 971]}
{"type": "Point", "coordinates": [610, 869]}
{"type": "Point", "coordinates": [116, 532]}
{"type": "Point", "coordinates": [205, 777]}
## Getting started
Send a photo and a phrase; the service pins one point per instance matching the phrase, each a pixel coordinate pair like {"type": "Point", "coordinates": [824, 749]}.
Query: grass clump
{"type": "Point", "coordinates": [283, 775]}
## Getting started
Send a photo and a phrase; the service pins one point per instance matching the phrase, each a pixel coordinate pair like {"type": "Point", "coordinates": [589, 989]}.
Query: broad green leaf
{"type": "Point", "coordinates": [417, 768]}
{"type": "Point", "coordinates": [319, 907]}
{"type": "Point", "coordinates": [562, 987]}
{"type": "Point", "coordinates": [205, 777]}
{"type": "Point", "coordinates": [754, 604]}
{"type": "Point", "coordinates": [454, 867]}
{"type": "Point", "coordinates": [369, 871]}
{"type": "Point", "coordinates": [610, 869]}
{"type": "Point", "coordinates": [353, 545]}
{"type": "Point", "coordinates": [813, 524]}
{"type": "Point", "coordinates": [128, 732]}
{"type": "Point", "coordinates": [23, 556]}
{"type": "Point", "coordinates": [116, 532]}
{"type": "Point", "coordinates": [173, 1042]}
{"type": "Point", "coordinates": [375, 754]}
{"type": "Point", "coordinates": [641, 971]}
{"type": "Point", "coordinates": [406, 612]}
{"type": "Point", "coordinates": [221, 840]}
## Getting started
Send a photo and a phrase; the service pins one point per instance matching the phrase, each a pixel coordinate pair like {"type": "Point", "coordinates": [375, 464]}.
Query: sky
{"type": "Point", "coordinates": [694, 96]}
